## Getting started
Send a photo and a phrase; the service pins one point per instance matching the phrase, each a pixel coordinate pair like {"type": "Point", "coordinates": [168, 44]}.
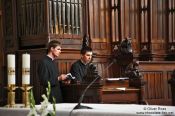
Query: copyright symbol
{"type": "Point", "coordinates": [144, 108]}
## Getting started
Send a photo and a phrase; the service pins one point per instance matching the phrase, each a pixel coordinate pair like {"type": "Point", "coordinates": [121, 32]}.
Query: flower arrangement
{"type": "Point", "coordinates": [43, 111]}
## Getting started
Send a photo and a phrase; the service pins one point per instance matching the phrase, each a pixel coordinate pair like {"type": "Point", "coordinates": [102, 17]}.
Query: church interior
{"type": "Point", "coordinates": [133, 44]}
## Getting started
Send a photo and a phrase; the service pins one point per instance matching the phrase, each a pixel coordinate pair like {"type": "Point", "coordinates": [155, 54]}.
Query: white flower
{"type": "Point", "coordinates": [44, 106]}
{"type": "Point", "coordinates": [33, 112]}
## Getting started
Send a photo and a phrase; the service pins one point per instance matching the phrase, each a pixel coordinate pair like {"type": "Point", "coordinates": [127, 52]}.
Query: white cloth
{"type": "Point", "coordinates": [64, 109]}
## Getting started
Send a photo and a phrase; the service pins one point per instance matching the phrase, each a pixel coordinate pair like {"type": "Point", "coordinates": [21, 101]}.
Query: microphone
{"type": "Point", "coordinates": [79, 106]}
{"type": "Point", "coordinates": [109, 65]}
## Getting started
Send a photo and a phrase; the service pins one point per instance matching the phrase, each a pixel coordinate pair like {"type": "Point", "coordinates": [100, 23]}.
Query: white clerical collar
{"type": "Point", "coordinates": [50, 57]}
{"type": "Point", "coordinates": [83, 62]}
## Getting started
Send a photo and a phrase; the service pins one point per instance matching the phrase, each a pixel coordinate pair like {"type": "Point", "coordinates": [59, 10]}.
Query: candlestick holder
{"type": "Point", "coordinates": [25, 94]}
{"type": "Point", "coordinates": [11, 95]}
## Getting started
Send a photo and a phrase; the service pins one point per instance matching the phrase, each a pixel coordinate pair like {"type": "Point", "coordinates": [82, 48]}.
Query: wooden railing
{"type": "Point", "coordinates": [156, 75]}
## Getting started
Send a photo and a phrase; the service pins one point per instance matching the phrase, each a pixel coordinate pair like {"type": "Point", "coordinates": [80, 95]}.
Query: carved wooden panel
{"type": "Point", "coordinates": [2, 61]}
{"type": "Point", "coordinates": [156, 75]}
{"type": "Point", "coordinates": [158, 26]}
{"type": "Point", "coordinates": [99, 25]}
{"type": "Point", "coordinates": [171, 26]}
{"type": "Point", "coordinates": [144, 21]}
{"type": "Point", "coordinates": [1, 49]}
{"type": "Point", "coordinates": [9, 25]}
{"type": "Point", "coordinates": [125, 22]}
{"type": "Point", "coordinates": [153, 29]}
{"type": "Point", "coordinates": [72, 93]}
{"type": "Point", "coordinates": [31, 19]}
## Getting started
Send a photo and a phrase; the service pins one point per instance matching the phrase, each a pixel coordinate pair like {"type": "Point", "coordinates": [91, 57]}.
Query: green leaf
{"type": "Point", "coordinates": [48, 90]}
{"type": "Point", "coordinates": [31, 99]}
{"type": "Point", "coordinates": [54, 106]}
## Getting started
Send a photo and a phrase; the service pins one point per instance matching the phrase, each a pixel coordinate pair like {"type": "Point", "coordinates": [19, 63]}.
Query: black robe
{"type": "Point", "coordinates": [79, 70]}
{"type": "Point", "coordinates": [48, 71]}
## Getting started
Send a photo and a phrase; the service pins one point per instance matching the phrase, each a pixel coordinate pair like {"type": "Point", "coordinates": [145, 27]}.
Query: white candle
{"type": "Point", "coordinates": [25, 69]}
{"type": "Point", "coordinates": [11, 69]}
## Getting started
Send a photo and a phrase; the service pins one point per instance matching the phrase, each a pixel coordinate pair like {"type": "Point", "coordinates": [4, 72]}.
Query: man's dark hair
{"type": "Point", "coordinates": [86, 49]}
{"type": "Point", "coordinates": [53, 43]}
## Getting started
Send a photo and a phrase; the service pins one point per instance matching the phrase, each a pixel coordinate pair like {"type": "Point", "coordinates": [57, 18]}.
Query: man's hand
{"type": "Point", "coordinates": [62, 77]}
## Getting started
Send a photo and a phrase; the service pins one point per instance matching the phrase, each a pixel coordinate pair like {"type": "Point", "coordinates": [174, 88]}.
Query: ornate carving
{"type": "Point", "coordinates": [123, 52]}
{"type": "Point", "coordinates": [86, 41]}
{"type": "Point", "coordinates": [132, 71]}
{"type": "Point", "coordinates": [92, 73]}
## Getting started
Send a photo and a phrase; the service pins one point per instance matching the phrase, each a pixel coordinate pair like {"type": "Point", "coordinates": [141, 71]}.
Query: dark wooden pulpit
{"type": "Point", "coordinates": [72, 93]}
{"type": "Point", "coordinates": [91, 87]}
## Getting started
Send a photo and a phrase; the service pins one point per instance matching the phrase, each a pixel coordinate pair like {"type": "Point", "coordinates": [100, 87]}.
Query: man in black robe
{"type": "Point", "coordinates": [79, 68]}
{"type": "Point", "coordinates": [48, 71]}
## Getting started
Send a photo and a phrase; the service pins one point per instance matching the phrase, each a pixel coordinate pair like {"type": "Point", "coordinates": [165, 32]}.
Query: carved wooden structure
{"type": "Point", "coordinates": [172, 83]}
{"type": "Point", "coordinates": [28, 25]}
{"type": "Point", "coordinates": [1, 56]}
{"type": "Point", "coordinates": [156, 74]}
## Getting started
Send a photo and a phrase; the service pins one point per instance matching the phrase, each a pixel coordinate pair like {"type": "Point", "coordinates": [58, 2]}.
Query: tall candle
{"type": "Point", "coordinates": [25, 69]}
{"type": "Point", "coordinates": [11, 69]}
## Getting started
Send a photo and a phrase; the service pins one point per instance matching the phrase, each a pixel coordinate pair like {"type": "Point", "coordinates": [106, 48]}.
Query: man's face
{"type": "Point", "coordinates": [87, 57]}
{"type": "Point", "coordinates": [56, 51]}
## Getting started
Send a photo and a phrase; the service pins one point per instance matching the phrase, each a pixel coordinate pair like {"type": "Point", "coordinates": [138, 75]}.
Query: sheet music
{"type": "Point", "coordinates": [117, 79]}
{"type": "Point", "coordinates": [121, 88]}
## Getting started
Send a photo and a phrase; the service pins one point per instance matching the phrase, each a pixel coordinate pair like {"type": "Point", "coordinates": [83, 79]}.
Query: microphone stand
{"type": "Point", "coordinates": [79, 106]}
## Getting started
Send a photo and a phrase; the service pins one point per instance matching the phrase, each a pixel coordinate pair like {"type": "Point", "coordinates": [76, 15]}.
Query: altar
{"type": "Point", "coordinates": [65, 109]}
